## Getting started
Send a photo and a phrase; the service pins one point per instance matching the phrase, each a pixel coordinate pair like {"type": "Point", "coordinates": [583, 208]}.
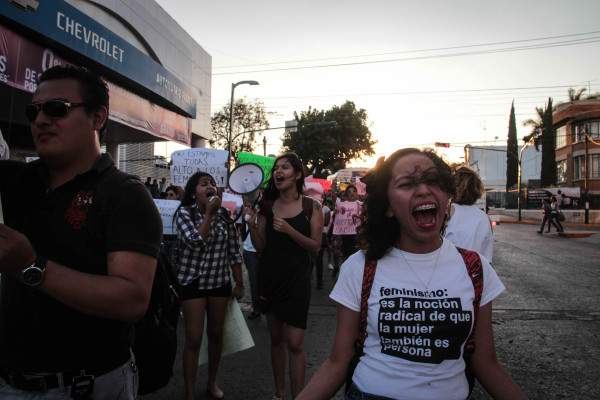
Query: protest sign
{"type": "Point", "coordinates": [344, 175]}
{"type": "Point", "coordinates": [346, 218]}
{"type": "Point", "coordinates": [361, 188]}
{"type": "Point", "coordinates": [324, 183]}
{"type": "Point", "coordinates": [266, 163]}
{"type": "Point", "coordinates": [189, 161]}
{"type": "Point", "coordinates": [167, 209]}
{"type": "Point", "coordinates": [236, 335]}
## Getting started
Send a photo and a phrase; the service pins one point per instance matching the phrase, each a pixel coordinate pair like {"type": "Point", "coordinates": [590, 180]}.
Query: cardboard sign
{"type": "Point", "coordinates": [346, 218]}
{"type": "Point", "coordinates": [167, 209]}
{"type": "Point", "coordinates": [236, 335]}
{"type": "Point", "coordinates": [266, 163]}
{"type": "Point", "coordinates": [344, 175]}
{"type": "Point", "coordinates": [361, 188]}
{"type": "Point", "coordinates": [189, 161]}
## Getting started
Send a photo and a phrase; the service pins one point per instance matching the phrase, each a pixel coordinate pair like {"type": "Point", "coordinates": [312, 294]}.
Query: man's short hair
{"type": "Point", "coordinates": [94, 91]}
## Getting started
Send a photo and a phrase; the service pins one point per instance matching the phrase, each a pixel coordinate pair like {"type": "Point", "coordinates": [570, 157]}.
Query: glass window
{"type": "Point", "coordinates": [578, 136]}
{"type": "Point", "coordinates": [561, 171]}
{"type": "Point", "coordinates": [561, 137]}
{"type": "Point", "coordinates": [578, 167]}
{"type": "Point", "coordinates": [594, 129]}
{"type": "Point", "coordinates": [594, 166]}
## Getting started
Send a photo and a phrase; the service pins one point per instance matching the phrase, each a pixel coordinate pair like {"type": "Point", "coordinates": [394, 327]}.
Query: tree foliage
{"type": "Point", "coordinates": [537, 126]}
{"type": "Point", "coordinates": [512, 162]}
{"type": "Point", "coordinates": [542, 132]}
{"type": "Point", "coordinates": [248, 119]}
{"type": "Point", "coordinates": [576, 95]}
{"type": "Point", "coordinates": [548, 173]}
{"type": "Point", "coordinates": [325, 149]}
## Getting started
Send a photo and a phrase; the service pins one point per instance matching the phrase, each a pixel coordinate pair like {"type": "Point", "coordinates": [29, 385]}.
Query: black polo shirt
{"type": "Point", "coordinates": [75, 226]}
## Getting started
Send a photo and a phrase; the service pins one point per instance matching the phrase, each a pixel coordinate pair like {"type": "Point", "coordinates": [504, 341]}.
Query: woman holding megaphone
{"type": "Point", "coordinates": [285, 233]}
{"type": "Point", "coordinates": [210, 248]}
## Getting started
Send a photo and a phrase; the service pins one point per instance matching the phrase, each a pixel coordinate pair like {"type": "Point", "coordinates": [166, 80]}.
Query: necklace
{"type": "Point", "coordinates": [427, 292]}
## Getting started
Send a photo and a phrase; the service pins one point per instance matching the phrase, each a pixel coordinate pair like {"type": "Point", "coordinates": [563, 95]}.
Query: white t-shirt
{"type": "Point", "coordinates": [326, 211]}
{"type": "Point", "coordinates": [414, 344]}
{"type": "Point", "coordinates": [470, 229]}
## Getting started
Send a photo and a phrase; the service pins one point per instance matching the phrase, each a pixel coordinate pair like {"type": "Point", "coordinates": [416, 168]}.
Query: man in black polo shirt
{"type": "Point", "coordinates": [78, 252]}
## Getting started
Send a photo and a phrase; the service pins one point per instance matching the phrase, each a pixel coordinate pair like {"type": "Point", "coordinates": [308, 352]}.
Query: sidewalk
{"type": "Point", "coordinates": [578, 231]}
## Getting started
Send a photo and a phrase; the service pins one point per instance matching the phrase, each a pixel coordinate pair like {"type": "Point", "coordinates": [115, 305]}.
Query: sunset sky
{"type": "Point", "coordinates": [425, 71]}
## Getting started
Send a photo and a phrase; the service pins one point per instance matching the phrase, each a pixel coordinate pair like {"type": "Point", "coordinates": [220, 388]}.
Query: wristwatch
{"type": "Point", "coordinates": [34, 274]}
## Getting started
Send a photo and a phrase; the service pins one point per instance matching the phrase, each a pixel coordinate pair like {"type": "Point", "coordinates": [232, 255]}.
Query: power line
{"type": "Point", "coordinates": [471, 53]}
{"type": "Point", "coordinates": [415, 51]}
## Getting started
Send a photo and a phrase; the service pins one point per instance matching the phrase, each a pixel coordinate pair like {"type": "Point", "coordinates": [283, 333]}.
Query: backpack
{"type": "Point", "coordinates": [155, 336]}
{"type": "Point", "coordinates": [474, 270]}
{"type": "Point", "coordinates": [155, 340]}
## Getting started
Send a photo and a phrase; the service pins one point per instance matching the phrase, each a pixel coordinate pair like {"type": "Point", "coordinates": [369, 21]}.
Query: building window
{"type": "Point", "coordinates": [561, 171]}
{"type": "Point", "coordinates": [578, 167]}
{"type": "Point", "coordinates": [561, 137]}
{"type": "Point", "coordinates": [592, 128]}
{"type": "Point", "coordinates": [594, 165]}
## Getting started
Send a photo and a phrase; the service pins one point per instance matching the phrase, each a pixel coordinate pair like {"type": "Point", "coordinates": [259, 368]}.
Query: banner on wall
{"type": "Point", "coordinates": [134, 111]}
{"type": "Point", "coordinates": [22, 61]}
{"type": "Point", "coordinates": [60, 21]}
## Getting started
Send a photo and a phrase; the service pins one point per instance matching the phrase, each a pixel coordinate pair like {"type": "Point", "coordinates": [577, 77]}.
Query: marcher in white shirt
{"type": "Point", "coordinates": [469, 227]}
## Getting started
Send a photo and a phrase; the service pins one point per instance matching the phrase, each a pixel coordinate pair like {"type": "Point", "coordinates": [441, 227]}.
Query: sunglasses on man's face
{"type": "Point", "coordinates": [53, 109]}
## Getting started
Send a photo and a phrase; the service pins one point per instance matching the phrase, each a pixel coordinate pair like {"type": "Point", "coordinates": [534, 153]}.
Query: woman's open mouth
{"type": "Point", "coordinates": [426, 215]}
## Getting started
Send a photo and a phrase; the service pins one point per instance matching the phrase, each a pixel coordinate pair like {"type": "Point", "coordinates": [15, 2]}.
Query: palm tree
{"type": "Point", "coordinates": [537, 128]}
{"type": "Point", "coordinates": [576, 95]}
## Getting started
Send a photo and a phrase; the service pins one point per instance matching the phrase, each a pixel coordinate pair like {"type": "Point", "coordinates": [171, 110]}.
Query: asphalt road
{"type": "Point", "coordinates": [547, 323]}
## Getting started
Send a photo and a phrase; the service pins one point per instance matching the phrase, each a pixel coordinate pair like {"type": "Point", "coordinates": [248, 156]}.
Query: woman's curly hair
{"type": "Point", "coordinates": [378, 233]}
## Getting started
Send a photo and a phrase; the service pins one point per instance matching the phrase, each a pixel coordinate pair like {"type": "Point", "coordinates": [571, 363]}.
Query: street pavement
{"type": "Point", "coordinates": [546, 323]}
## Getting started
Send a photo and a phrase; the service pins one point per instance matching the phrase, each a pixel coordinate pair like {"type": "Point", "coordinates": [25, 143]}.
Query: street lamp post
{"type": "Point", "coordinates": [233, 86]}
{"type": "Point", "coordinates": [519, 184]}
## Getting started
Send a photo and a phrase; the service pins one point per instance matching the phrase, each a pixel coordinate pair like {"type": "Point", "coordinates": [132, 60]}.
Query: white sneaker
{"type": "Point", "coordinates": [331, 267]}
{"type": "Point", "coordinates": [276, 398]}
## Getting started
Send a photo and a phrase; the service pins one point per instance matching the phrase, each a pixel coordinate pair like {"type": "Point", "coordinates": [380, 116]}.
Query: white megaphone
{"type": "Point", "coordinates": [245, 179]}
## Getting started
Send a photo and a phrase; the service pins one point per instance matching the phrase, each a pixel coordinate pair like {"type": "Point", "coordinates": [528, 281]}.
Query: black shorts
{"type": "Point", "coordinates": [191, 291]}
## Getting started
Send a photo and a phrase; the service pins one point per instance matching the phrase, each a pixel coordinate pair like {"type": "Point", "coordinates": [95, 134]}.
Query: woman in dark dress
{"type": "Point", "coordinates": [285, 236]}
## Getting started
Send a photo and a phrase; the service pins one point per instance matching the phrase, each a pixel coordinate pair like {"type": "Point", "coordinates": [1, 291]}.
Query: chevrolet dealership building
{"type": "Point", "coordinates": [159, 77]}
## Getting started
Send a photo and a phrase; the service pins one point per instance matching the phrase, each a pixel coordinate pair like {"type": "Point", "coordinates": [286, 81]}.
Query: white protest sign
{"type": "Point", "coordinates": [236, 335]}
{"type": "Point", "coordinates": [189, 161]}
{"type": "Point", "coordinates": [346, 218]}
{"type": "Point", "coordinates": [167, 209]}
{"type": "Point", "coordinates": [344, 175]}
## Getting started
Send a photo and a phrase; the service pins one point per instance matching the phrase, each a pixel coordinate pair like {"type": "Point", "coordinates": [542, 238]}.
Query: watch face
{"type": "Point", "coordinates": [33, 276]}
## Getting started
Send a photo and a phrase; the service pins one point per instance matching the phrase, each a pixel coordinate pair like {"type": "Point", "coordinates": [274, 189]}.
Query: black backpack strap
{"type": "Point", "coordinates": [475, 272]}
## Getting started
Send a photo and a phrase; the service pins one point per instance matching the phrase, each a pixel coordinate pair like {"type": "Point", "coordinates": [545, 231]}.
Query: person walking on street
{"type": "Point", "coordinates": [402, 295]}
{"type": "Point", "coordinates": [210, 249]}
{"type": "Point", "coordinates": [78, 252]}
{"type": "Point", "coordinates": [468, 226]}
{"type": "Point", "coordinates": [554, 213]}
{"type": "Point", "coordinates": [324, 246]}
{"type": "Point", "coordinates": [289, 228]}
{"type": "Point", "coordinates": [547, 211]}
